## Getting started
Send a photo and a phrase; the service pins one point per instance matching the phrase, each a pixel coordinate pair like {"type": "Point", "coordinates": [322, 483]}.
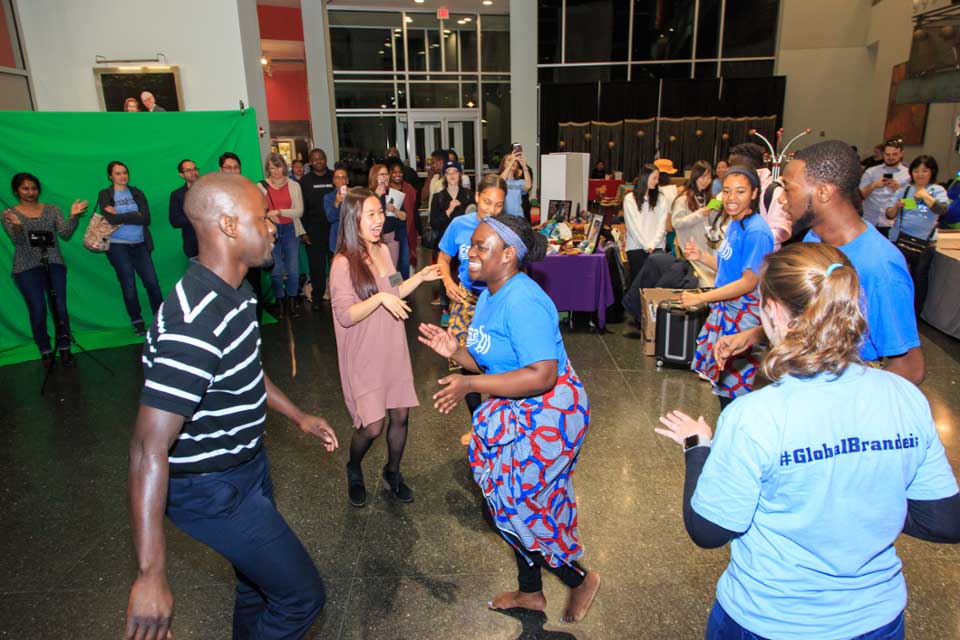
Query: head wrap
{"type": "Point", "coordinates": [509, 237]}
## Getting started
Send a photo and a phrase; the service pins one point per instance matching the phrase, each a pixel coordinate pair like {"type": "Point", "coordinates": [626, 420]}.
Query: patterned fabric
{"type": "Point", "coordinates": [522, 454]}
{"type": "Point", "coordinates": [726, 318]}
{"type": "Point", "coordinates": [461, 315]}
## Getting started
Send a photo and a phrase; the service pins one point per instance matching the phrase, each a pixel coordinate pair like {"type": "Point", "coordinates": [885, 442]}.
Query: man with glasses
{"type": "Point", "coordinates": [178, 218]}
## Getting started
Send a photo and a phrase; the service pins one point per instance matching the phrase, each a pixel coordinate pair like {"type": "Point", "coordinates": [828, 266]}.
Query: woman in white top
{"type": "Point", "coordinates": [645, 217]}
{"type": "Point", "coordinates": [693, 219]}
{"type": "Point", "coordinates": [284, 202]}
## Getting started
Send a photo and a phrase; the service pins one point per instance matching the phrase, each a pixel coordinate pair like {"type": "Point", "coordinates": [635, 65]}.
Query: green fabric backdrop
{"type": "Point", "coordinates": [69, 153]}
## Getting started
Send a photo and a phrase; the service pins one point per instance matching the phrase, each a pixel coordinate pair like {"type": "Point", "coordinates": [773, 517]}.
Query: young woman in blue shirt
{"type": "Point", "coordinates": [812, 478]}
{"type": "Point", "coordinates": [734, 306]}
{"type": "Point", "coordinates": [527, 434]}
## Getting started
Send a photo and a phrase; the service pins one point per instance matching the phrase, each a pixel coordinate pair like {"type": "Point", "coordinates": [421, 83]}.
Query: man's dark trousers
{"type": "Point", "coordinates": [279, 593]}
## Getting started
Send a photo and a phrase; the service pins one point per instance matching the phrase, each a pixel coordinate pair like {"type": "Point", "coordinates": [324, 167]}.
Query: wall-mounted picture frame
{"type": "Point", "coordinates": [559, 210]}
{"type": "Point", "coordinates": [152, 88]}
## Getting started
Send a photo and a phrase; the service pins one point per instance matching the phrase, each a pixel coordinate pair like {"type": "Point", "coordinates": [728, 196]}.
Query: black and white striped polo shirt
{"type": "Point", "coordinates": [201, 360]}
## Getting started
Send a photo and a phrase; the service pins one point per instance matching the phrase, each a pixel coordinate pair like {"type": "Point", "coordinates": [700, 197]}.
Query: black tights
{"type": "Point", "coordinates": [530, 578]}
{"type": "Point", "coordinates": [396, 439]}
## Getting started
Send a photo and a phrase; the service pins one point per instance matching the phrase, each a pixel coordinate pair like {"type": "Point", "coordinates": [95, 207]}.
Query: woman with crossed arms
{"type": "Point", "coordinates": [527, 434]}
{"type": "Point", "coordinates": [812, 478]}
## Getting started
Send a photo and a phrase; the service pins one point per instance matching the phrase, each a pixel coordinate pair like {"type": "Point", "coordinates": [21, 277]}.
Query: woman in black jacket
{"type": "Point", "coordinates": [452, 201]}
{"type": "Point", "coordinates": [126, 207]}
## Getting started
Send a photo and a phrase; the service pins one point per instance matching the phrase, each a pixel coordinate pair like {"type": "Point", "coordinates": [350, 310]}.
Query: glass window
{"type": "Point", "coordinates": [363, 136]}
{"type": "Point", "coordinates": [460, 34]}
{"type": "Point", "coordinates": [495, 123]}
{"type": "Point", "coordinates": [549, 27]}
{"type": "Point", "coordinates": [14, 93]}
{"type": "Point", "coordinates": [599, 73]}
{"type": "Point", "coordinates": [417, 50]}
{"type": "Point", "coordinates": [750, 28]}
{"type": "Point", "coordinates": [705, 70]}
{"type": "Point", "coordinates": [747, 69]}
{"type": "Point", "coordinates": [662, 30]}
{"type": "Point", "coordinates": [495, 43]}
{"type": "Point", "coordinates": [672, 70]}
{"type": "Point", "coordinates": [708, 29]}
{"type": "Point", "coordinates": [469, 95]}
{"type": "Point", "coordinates": [423, 42]}
{"type": "Point", "coordinates": [10, 55]}
{"type": "Point", "coordinates": [365, 95]}
{"type": "Point", "coordinates": [597, 30]}
{"type": "Point", "coordinates": [361, 49]}
{"type": "Point", "coordinates": [435, 95]}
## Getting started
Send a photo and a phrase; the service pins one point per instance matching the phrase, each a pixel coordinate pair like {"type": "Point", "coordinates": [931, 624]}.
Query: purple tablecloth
{"type": "Point", "coordinates": [576, 283]}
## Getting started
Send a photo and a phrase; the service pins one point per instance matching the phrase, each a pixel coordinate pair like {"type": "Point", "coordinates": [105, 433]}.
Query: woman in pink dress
{"type": "Point", "coordinates": [366, 293]}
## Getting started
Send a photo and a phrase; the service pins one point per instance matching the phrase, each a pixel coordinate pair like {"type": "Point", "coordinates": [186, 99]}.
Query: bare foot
{"type": "Point", "coordinates": [580, 599]}
{"type": "Point", "coordinates": [466, 438]}
{"type": "Point", "coordinates": [519, 600]}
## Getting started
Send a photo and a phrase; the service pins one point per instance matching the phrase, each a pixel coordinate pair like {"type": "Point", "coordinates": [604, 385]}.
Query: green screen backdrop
{"type": "Point", "coordinates": [69, 153]}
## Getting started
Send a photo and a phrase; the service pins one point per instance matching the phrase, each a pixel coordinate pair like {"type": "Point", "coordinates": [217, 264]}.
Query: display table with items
{"type": "Point", "coordinates": [942, 306]}
{"type": "Point", "coordinates": [579, 282]}
{"type": "Point", "coordinates": [602, 189]}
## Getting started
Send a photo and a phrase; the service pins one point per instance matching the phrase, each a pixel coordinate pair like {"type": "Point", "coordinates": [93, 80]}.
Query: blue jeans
{"type": "Point", "coordinates": [721, 626]}
{"type": "Point", "coordinates": [286, 262]}
{"type": "Point", "coordinates": [130, 260]}
{"type": "Point", "coordinates": [33, 285]}
{"type": "Point", "coordinates": [279, 591]}
{"type": "Point", "coordinates": [403, 257]}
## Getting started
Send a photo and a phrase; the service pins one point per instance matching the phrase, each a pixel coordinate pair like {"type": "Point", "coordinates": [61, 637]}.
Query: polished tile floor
{"type": "Point", "coordinates": [419, 571]}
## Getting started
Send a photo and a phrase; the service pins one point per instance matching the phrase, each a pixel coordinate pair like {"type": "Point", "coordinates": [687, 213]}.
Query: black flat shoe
{"type": "Point", "coordinates": [355, 489]}
{"type": "Point", "coordinates": [66, 358]}
{"type": "Point", "coordinates": [393, 482]}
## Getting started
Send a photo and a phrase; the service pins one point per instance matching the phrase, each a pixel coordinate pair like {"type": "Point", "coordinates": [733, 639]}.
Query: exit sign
{"type": "Point", "coordinates": [443, 13]}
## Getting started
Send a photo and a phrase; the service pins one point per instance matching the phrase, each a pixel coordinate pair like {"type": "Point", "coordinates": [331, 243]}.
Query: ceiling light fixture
{"type": "Point", "coordinates": [408, 19]}
{"type": "Point", "coordinates": [467, 19]}
{"type": "Point", "coordinates": [263, 60]}
{"type": "Point", "coordinates": [461, 22]}
{"type": "Point", "coordinates": [487, 3]}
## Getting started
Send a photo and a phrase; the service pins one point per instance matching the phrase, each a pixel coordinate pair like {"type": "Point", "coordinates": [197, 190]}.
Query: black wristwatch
{"type": "Point", "coordinates": [691, 442]}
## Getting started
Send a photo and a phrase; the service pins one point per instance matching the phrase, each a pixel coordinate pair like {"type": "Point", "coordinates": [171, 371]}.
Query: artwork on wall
{"type": "Point", "coordinates": [904, 121]}
{"type": "Point", "coordinates": [139, 88]}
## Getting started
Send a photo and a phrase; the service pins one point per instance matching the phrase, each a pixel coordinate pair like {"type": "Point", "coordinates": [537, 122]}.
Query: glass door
{"type": "Point", "coordinates": [457, 129]}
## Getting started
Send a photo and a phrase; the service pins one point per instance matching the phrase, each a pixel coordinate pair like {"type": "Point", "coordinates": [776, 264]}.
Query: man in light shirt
{"type": "Point", "coordinates": [879, 185]}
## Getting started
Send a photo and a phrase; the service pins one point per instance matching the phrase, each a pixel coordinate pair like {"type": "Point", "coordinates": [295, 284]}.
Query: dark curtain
{"type": "Point", "coordinates": [564, 103]}
{"type": "Point", "coordinates": [639, 145]}
{"type": "Point", "coordinates": [743, 97]}
{"type": "Point", "coordinates": [574, 137]}
{"type": "Point", "coordinates": [699, 140]}
{"type": "Point", "coordinates": [730, 133]}
{"type": "Point", "coordinates": [603, 133]}
{"type": "Point", "coordinates": [767, 127]}
{"type": "Point", "coordinates": [635, 100]}
{"type": "Point", "coordinates": [670, 140]}
{"type": "Point", "coordinates": [690, 98]}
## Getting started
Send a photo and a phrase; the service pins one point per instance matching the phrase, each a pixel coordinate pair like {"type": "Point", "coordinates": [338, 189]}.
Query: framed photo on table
{"type": "Point", "coordinates": [146, 88]}
{"type": "Point", "coordinates": [559, 210]}
{"type": "Point", "coordinates": [593, 233]}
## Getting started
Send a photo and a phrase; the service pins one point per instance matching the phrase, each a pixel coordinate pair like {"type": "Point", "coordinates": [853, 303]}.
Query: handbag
{"type": "Point", "coordinates": [97, 236]}
{"type": "Point", "coordinates": [912, 245]}
{"type": "Point", "coordinates": [429, 239]}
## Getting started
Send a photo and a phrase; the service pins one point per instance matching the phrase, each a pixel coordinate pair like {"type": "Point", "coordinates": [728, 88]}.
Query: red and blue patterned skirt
{"type": "Point", "coordinates": [522, 455]}
{"type": "Point", "coordinates": [728, 317]}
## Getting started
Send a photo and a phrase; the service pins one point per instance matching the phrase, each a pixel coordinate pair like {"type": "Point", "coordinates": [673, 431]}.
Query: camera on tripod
{"type": "Point", "coordinates": [40, 239]}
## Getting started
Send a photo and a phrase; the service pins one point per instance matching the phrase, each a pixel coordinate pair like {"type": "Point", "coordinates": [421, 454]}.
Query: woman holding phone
{"type": "Point", "coordinates": [379, 182]}
{"type": "Point", "coordinates": [516, 174]}
{"type": "Point", "coordinates": [367, 296]}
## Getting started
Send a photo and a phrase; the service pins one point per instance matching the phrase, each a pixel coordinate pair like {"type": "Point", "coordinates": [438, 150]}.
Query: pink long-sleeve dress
{"type": "Point", "coordinates": [375, 369]}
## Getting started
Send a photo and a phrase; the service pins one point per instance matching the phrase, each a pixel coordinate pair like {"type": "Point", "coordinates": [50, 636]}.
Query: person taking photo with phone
{"type": "Point", "coordinates": [879, 186]}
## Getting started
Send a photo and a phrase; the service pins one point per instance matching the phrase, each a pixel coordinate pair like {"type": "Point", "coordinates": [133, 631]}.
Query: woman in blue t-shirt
{"type": "Point", "coordinates": [734, 306]}
{"type": "Point", "coordinates": [812, 478]}
{"type": "Point", "coordinates": [528, 432]}
{"type": "Point", "coordinates": [916, 214]}
{"type": "Point", "coordinates": [125, 206]}
{"type": "Point", "coordinates": [516, 173]}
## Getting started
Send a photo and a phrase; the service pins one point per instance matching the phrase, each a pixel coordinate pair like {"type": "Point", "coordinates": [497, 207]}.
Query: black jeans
{"type": "Point", "coordinates": [530, 578]}
{"type": "Point", "coordinates": [919, 266]}
{"type": "Point", "coordinates": [129, 261]}
{"type": "Point", "coordinates": [33, 285]}
{"type": "Point", "coordinates": [317, 254]}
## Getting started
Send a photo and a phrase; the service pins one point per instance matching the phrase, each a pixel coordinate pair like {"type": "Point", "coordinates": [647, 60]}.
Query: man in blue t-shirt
{"type": "Point", "coordinates": [819, 188]}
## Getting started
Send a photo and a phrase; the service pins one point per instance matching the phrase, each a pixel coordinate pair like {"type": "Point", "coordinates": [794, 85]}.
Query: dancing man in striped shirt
{"type": "Point", "coordinates": [197, 450]}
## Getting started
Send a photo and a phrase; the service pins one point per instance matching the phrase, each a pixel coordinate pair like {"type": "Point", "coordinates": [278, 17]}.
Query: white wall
{"type": "Point", "coordinates": [62, 37]}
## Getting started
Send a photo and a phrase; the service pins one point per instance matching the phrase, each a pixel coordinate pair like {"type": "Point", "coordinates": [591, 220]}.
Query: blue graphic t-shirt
{"type": "Point", "coordinates": [817, 473]}
{"type": "Point", "coordinates": [513, 203]}
{"type": "Point", "coordinates": [124, 203]}
{"type": "Point", "coordinates": [887, 294]}
{"type": "Point", "coordinates": [516, 327]}
{"type": "Point", "coordinates": [920, 222]}
{"type": "Point", "coordinates": [456, 242]}
{"type": "Point", "coordinates": [744, 247]}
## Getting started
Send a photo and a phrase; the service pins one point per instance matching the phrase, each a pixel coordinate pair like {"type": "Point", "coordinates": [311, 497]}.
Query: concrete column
{"type": "Point", "coordinates": [524, 111]}
{"type": "Point", "coordinates": [316, 41]}
{"type": "Point", "coordinates": [253, 70]}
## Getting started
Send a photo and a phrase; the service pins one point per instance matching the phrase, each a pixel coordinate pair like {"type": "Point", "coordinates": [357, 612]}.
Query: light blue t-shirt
{"type": "Point", "coordinates": [920, 222]}
{"type": "Point", "coordinates": [513, 203]}
{"type": "Point", "coordinates": [516, 327]}
{"type": "Point", "coordinates": [817, 473]}
{"type": "Point", "coordinates": [887, 294]}
{"type": "Point", "coordinates": [456, 242]}
{"type": "Point", "coordinates": [744, 247]}
{"type": "Point", "coordinates": [124, 203]}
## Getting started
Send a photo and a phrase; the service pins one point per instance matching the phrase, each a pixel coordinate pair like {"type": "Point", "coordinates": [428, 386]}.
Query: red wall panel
{"type": "Point", "coordinates": [280, 23]}
{"type": "Point", "coordinates": [287, 97]}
